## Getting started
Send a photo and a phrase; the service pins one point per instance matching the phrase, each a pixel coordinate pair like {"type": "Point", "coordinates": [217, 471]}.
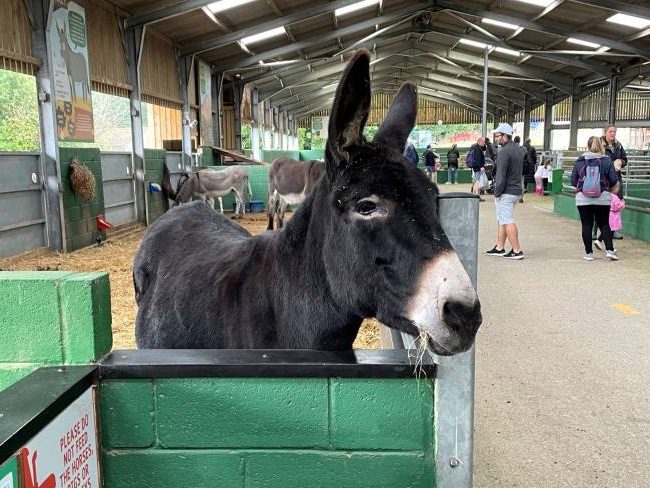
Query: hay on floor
{"type": "Point", "coordinates": [115, 256]}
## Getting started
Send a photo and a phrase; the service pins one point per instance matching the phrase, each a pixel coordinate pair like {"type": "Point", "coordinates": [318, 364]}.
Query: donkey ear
{"type": "Point", "coordinates": [349, 111]}
{"type": "Point", "coordinates": [400, 118]}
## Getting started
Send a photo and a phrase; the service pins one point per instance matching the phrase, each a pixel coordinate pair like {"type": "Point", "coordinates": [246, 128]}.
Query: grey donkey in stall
{"type": "Point", "coordinates": [365, 243]}
{"type": "Point", "coordinates": [208, 184]}
{"type": "Point", "coordinates": [290, 182]}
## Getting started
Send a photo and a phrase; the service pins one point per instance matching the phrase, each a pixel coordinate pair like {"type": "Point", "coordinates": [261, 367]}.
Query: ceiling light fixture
{"type": "Point", "coordinates": [498, 23]}
{"type": "Point", "coordinates": [278, 31]}
{"type": "Point", "coordinates": [354, 7]}
{"type": "Point", "coordinates": [226, 5]}
{"type": "Point", "coordinates": [629, 21]}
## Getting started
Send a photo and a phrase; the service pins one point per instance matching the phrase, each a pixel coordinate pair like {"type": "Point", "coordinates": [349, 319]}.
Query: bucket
{"type": "Point", "coordinates": [256, 206]}
{"type": "Point", "coordinates": [252, 206]}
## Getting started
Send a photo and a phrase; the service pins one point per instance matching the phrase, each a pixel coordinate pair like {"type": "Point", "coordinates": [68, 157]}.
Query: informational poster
{"type": "Point", "coordinates": [9, 474]}
{"type": "Point", "coordinates": [68, 48]}
{"type": "Point", "coordinates": [205, 104]}
{"type": "Point", "coordinates": [64, 454]}
{"type": "Point", "coordinates": [319, 126]}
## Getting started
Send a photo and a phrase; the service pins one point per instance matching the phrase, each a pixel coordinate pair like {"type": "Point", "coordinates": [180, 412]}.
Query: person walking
{"type": "Point", "coordinates": [452, 165]}
{"type": "Point", "coordinates": [532, 153]}
{"type": "Point", "coordinates": [507, 192]}
{"type": "Point", "coordinates": [595, 178]}
{"type": "Point", "coordinates": [475, 160]}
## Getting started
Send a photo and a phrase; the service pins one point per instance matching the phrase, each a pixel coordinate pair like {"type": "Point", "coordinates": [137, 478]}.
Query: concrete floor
{"type": "Point", "coordinates": [562, 359]}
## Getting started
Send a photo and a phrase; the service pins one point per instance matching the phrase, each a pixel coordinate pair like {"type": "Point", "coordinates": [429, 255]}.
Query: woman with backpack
{"type": "Point", "coordinates": [595, 179]}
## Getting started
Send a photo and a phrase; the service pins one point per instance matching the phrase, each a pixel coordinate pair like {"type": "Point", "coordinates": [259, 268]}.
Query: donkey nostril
{"type": "Point", "coordinates": [462, 316]}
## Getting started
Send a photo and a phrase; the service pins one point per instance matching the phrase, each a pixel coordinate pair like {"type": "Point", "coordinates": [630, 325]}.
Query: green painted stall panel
{"type": "Point", "coordinates": [306, 155]}
{"type": "Point", "coordinates": [636, 221]}
{"type": "Point", "coordinates": [52, 317]}
{"type": "Point", "coordinates": [269, 155]}
{"type": "Point", "coordinates": [268, 432]}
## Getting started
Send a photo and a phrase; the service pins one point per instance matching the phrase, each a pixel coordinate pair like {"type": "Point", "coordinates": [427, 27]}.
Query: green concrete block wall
{"type": "Point", "coordinates": [464, 175]}
{"type": "Point", "coordinates": [52, 317]}
{"type": "Point", "coordinates": [79, 214]}
{"type": "Point", "coordinates": [267, 432]}
{"type": "Point", "coordinates": [306, 155]}
{"type": "Point", "coordinates": [259, 180]}
{"type": "Point", "coordinates": [269, 155]}
{"type": "Point", "coordinates": [636, 221]}
{"type": "Point", "coordinates": [153, 164]}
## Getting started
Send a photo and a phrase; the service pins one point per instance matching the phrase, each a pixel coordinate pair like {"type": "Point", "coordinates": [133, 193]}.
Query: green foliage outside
{"type": "Point", "coordinates": [440, 135]}
{"type": "Point", "coordinates": [246, 136]}
{"type": "Point", "coordinates": [19, 126]}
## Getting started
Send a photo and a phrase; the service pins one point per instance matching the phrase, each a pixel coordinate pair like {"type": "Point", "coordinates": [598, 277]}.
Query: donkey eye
{"type": "Point", "coordinates": [365, 207]}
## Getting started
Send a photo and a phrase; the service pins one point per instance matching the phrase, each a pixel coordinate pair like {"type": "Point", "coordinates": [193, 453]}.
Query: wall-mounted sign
{"type": "Point", "coordinates": [68, 49]}
{"type": "Point", "coordinates": [64, 454]}
{"type": "Point", "coordinates": [9, 474]}
{"type": "Point", "coordinates": [319, 126]}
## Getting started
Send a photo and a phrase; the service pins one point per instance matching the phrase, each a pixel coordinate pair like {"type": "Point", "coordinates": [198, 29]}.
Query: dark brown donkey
{"type": "Point", "coordinates": [365, 243]}
{"type": "Point", "coordinates": [290, 182]}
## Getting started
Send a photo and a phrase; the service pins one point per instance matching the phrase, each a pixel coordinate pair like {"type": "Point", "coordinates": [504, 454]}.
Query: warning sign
{"type": "Point", "coordinates": [64, 454]}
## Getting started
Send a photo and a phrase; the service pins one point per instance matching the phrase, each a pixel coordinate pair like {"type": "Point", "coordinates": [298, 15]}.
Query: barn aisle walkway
{"type": "Point", "coordinates": [562, 363]}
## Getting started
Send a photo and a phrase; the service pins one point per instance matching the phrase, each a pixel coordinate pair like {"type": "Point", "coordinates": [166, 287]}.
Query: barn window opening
{"type": "Point", "coordinates": [19, 122]}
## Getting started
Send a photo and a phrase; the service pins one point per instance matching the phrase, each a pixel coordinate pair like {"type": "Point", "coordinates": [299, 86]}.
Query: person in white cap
{"type": "Point", "coordinates": [507, 192]}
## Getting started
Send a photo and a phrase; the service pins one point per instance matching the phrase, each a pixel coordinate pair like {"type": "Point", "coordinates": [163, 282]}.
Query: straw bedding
{"type": "Point", "coordinates": [115, 256]}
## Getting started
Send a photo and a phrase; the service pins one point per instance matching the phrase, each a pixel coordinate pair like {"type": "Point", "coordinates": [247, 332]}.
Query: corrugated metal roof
{"type": "Point", "coordinates": [411, 40]}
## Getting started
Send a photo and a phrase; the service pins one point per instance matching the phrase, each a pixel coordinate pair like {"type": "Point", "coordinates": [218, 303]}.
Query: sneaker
{"type": "Point", "coordinates": [617, 235]}
{"type": "Point", "coordinates": [599, 245]}
{"type": "Point", "coordinates": [496, 252]}
{"type": "Point", "coordinates": [611, 255]}
{"type": "Point", "coordinates": [588, 257]}
{"type": "Point", "coordinates": [481, 199]}
{"type": "Point", "coordinates": [514, 255]}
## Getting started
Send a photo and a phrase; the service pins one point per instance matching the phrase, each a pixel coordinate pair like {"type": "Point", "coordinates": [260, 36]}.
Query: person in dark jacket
{"type": "Point", "coordinates": [478, 169]}
{"type": "Point", "coordinates": [532, 154]}
{"type": "Point", "coordinates": [524, 151]}
{"type": "Point", "coordinates": [411, 153]}
{"type": "Point", "coordinates": [452, 165]}
{"type": "Point", "coordinates": [507, 192]}
{"type": "Point", "coordinates": [431, 163]}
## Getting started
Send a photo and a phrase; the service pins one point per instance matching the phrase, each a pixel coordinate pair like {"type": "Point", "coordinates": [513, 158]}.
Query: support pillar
{"type": "Point", "coordinates": [237, 88]}
{"type": "Point", "coordinates": [185, 66]}
{"type": "Point", "coordinates": [613, 91]}
{"type": "Point", "coordinates": [276, 127]}
{"type": "Point", "coordinates": [576, 95]}
{"type": "Point", "coordinates": [217, 79]}
{"type": "Point", "coordinates": [255, 128]}
{"type": "Point", "coordinates": [134, 42]}
{"type": "Point", "coordinates": [548, 120]}
{"type": "Point", "coordinates": [458, 215]}
{"type": "Point", "coordinates": [486, 53]}
{"type": "Point", "coordinates": [528, 108]}
{"type": "Point", "coordinates": [50, 174]}
{"type": "Point", "coordinates": [511, 114]}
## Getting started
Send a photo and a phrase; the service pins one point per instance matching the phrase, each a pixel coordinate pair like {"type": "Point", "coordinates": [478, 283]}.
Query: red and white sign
{"type": "Point", "coordinates": [64, 454]}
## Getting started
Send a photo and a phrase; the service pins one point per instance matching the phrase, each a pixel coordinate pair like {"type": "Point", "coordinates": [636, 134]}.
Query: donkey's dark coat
{"type": "Point", "coordinates": [365, 243]}
{"type": "Point", "coordinates": [290, 182]}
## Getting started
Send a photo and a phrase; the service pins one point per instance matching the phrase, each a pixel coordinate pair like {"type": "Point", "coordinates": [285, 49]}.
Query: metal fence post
{"type": "Point", "coordinates": [454, 382]}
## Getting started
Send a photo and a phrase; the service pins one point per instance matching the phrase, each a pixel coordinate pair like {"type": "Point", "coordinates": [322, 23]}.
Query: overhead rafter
{"type": "Point", "coordinates": [619, 6]}
{"type": "Point", "coordinates": [315, 41]}
{"type": "Point", "coordinates": [300, 15]}
{"type": "Point", "coordinates": [546, 28]}
{"type": "Point", "coordinates": [165, 13]}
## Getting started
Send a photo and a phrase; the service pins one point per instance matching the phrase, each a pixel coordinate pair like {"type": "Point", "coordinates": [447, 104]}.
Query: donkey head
{"type": "Point", "coordinates": [383, 240]}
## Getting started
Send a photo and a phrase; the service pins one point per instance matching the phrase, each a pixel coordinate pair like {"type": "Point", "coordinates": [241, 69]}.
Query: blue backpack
{"type": "Point", "coordinates": [590, 178]}
{"type": "Point", "coordinates": [469, 160]}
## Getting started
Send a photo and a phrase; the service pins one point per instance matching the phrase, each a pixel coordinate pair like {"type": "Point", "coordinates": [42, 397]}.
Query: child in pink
{"type": "Point", "coordinates": [615, 210]}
